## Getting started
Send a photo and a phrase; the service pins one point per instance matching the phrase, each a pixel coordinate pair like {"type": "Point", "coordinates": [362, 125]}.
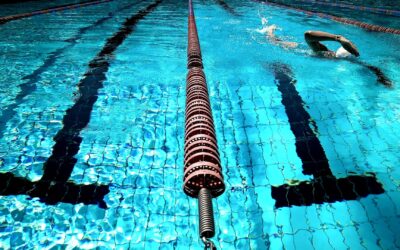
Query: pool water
{"type": "Point", "coordinates": [373, 12]}
{"type": "Point", "coordinates": [24, 6]}
{"type": "Point", "coordinates": [132, 144]}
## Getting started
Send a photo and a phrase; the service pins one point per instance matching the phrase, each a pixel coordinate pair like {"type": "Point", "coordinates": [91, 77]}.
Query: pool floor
{"type": "Point", "coordinates": [92, 129]}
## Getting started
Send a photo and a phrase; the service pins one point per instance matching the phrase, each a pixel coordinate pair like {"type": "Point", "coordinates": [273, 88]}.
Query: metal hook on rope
{"type": "Point", "coordinates": [208, 244]}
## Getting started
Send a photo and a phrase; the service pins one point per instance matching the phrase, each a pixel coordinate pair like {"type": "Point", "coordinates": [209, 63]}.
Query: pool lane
{"type": "Point", "coordinates": [58, 167]}
{"type": "Point", "coordinates": [343, 20]}
{"type": "Point", "coordinates": [60, 164]}
{"type": "Point", "coordinates": [134, 140]}
{"type": "Point", "coordinates": [349, 119]}
{"type": "Point", "coordinates": [324, 187]}
{"type": "Point", "coordinates": [39, 115]}
{"type": "Point", "coordinates": [383, 11]}
{"type": "Point", "coordinates": [29, 86]}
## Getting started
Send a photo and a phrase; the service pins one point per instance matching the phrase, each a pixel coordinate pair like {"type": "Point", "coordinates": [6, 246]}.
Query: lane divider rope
{"type": "Point", "coordinates": [355, 7]}
{"type": "Point", "coordinates": [366, 26]}
{"type": "Point", "coordinates": [203, 177]}
{"type": "Point", "coordinates": [6, 19]}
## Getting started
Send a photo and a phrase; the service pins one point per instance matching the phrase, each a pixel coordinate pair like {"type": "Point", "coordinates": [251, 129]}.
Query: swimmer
{"type": "Point", "coordinates": [276, 40]}
{"type": "Point", "coordinates": [313, 39]}
{"type": "Point", "coordinates": [270, 32]}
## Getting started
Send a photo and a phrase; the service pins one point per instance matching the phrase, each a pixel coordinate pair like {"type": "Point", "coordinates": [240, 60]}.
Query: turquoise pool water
{"type": "Point", "coordinates": [133, 143]}
{"type": "Point", "coordinates": [366, 11]}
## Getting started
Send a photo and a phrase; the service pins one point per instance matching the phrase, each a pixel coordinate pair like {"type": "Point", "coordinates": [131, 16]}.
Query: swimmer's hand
{"type": "Point", "coordinates": [349, 46]}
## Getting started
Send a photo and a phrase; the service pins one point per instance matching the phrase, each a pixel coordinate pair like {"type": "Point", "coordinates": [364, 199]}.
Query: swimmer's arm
{"type": "Point", "coordinates": [319, 36]}
{"type": "Point", "coordinates": [349, 46]}
{"type": "Point", "coordinates": [313, 39]}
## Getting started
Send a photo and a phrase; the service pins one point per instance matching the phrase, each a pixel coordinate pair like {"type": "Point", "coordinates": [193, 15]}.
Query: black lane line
{"type": "Point", "coordinates": [6, 19]}
{"type": "Point", "coordinates": [60, 164]}
{"type": "Point", "coordinates": [324, 187]}
{"type": "Point", "coordinates": [28, 87]}
{"type": "Point", "coordinates": [226, 7]}
{"type": "Point", "coordinates": [53, 192]}
{"type": "Point", "coordinates": [54, 186]}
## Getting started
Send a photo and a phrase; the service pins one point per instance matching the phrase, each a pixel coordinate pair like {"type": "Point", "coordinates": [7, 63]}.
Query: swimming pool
{"type": "Point", "coordinates": [128, 143]}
